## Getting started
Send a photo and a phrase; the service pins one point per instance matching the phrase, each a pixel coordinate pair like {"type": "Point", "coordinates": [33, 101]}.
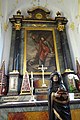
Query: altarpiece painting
{"type": "Point", "coordinates": [40, 49]}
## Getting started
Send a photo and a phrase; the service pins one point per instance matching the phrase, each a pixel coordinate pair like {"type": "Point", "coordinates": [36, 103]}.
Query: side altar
{"type": "Point", "coordinates": [39, 46]}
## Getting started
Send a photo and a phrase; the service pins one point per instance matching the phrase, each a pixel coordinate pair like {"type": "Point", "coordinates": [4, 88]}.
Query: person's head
{"type": "Point", "coordinates": [42, 38]}
{"type": "Point", "coordinates": [33, 37]}
{"type": "Point", "coordinates": [55, 77]}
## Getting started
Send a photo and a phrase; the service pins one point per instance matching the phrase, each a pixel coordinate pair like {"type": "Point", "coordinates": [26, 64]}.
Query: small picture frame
{"type": "Point", "coordinates": [13, 82]}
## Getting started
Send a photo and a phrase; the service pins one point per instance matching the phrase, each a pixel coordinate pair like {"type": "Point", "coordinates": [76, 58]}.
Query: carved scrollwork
{"type": "Point", "coordinates": [60, 27]}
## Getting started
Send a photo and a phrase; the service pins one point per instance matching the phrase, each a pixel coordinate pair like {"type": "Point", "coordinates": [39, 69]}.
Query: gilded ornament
{"type": "Point", "coordinates": [69, 70]}
{"type": "Point", "coordinates": [18, 12]}
{"type": "Point", "coordinates": [72, 26]}
{"type": "Point", "coordinates": [30, 15]}
{"type": "Point", "coordinates": [39, 25]}
{"type": "Point", "coordinates": [60, 27]}
{"type": "Point", "coordinates": [17, 26]}
{"type": "Point", "coordinates": [5, 26]}
{"type": "Point", "coordinates": [58, 14]}
{"type": "Point", "coordinates": [38, 15]}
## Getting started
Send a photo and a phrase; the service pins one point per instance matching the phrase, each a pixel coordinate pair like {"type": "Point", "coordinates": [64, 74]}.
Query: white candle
{"type": "Point", "coordinates": [32, 81]}
{"type": "Point", "coordinates": [31, 75]}
{"type": "Point", "coordinates": [43, 74]}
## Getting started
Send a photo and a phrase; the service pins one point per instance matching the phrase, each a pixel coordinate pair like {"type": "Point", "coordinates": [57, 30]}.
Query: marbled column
{"type": "Point", "coordinates": [16, 64]}
{"type": "Point", "coordinates": [65, 50]}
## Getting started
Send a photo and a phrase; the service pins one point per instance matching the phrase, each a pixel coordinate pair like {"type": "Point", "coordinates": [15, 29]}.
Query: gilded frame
{"type": "Point", "coordinates": [42, 29]}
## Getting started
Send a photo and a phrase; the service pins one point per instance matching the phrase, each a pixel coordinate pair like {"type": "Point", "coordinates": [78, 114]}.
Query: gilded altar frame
{"type": "Point", "coordinates": [46, 30]}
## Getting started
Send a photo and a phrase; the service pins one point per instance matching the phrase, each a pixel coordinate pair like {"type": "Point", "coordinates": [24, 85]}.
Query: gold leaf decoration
{"type": "Point", "coordinates": [60, 1]}
{"type": "Point", "coordinates": [5, 26]}
{"type": "Point", "coordinates": [17, 1]}
{"type": "Point", "coordinates": [72, 26]}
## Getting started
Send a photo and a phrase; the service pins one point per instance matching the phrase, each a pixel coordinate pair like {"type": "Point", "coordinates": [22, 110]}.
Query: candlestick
{"type": "Point", "coordinates": [32, 96]}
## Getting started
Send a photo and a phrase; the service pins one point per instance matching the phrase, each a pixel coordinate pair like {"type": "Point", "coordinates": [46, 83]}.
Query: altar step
{"type": "Point", "coordinates": [18, 98]}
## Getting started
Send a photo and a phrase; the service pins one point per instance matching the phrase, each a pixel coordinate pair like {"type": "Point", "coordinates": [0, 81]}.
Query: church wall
{"type": "Point", "coordinates": [73, 47]}
{"type": "Point", "coordinates": [6, 50]}
{"type": "Point", "coordinates": [1, 42]}
{"type": "Point", "coordinates": [5, 34]}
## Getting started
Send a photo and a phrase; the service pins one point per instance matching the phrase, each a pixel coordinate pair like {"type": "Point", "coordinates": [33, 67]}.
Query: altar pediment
{"type": "Point", "coordinates": [39, 13]}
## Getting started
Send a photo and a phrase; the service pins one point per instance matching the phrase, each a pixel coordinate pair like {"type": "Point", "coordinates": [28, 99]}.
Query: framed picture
{"type": "Point", "coordinates": [40, 49]}
{"type": "Point", "coordinates": [13, 83]}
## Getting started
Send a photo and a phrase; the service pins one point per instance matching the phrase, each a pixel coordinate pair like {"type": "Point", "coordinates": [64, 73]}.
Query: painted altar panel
{"type": "Point", "coordinates": [40, 49]}
{"type": "Point", "coordinates": [38, 115]}
{"type": "Point", "coordinates": [75, 114]}
{"type": "Point", "coordinates": [41, 115]}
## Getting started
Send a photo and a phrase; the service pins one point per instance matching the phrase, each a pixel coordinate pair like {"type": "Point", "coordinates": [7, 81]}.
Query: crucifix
{"type": "Point", "coordinates": [43, 68]}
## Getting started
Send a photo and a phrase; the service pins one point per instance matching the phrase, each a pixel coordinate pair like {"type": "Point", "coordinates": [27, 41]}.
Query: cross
{"type": "Point", "coordinates": [43, 68]}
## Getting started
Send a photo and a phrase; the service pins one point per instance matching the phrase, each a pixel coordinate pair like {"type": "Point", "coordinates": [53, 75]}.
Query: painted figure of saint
{"type": "Point", "coordinates": [41, 51]}
{"type": "Point", "coordinates": [43, 48]}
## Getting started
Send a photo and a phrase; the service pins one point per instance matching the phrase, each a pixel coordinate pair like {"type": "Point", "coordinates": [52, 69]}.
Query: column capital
{"type": "Point", "coordinates": [16, 20]}
{"type": "Point", "coordinates": [60, 21]}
